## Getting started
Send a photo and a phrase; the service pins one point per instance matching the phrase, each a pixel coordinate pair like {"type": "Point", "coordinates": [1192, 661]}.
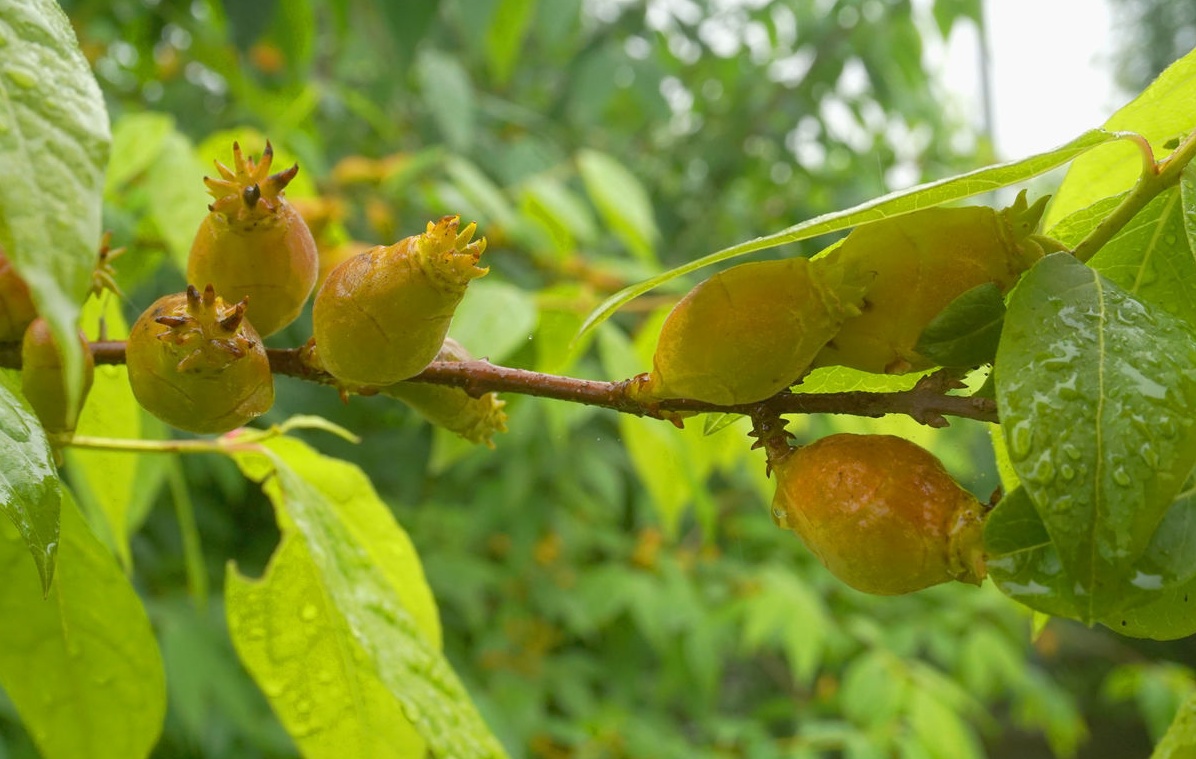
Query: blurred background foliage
{"type": "Point", "coordinates": [609, 587]}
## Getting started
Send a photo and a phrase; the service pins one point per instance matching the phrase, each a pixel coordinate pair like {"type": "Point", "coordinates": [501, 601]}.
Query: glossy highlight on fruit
{"type": "Point", "coordinates": [382, 316]}
{"type": "Point", "coordinates": [254, 244]}
{"type": "Point", "coordinates": [17, 311]}
{"type": "Point", "coordinates": [881, 513]}
{"type": "Point", "coordinates": [749, 332]}
{"type": "Point", "coordinates": [921, 262]}
{"type": "Point", "coordinates": [197, 363]}
{"type": "Point", "coordinates": [42, 379]}
{"type": "Point", "coordinates": [475, 419]}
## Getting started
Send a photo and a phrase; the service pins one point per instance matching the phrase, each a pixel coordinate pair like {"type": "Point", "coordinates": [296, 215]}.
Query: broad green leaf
{"type": "Point", "coordinates": [564, 216]}
{"type": "Point", "coordinates": [178, 201]}
{"type": "Point", "coordinates": [448, 96]}
{"type": "Point", "coordinates": [787, 613]}
{"type": "Point", "coordinates": [967, 331]}
{"type": "Point", "coordinates": [137, 140]}
{"type": "Point", "coordinates": [480, 190]}
{"type": "Point", "coordinates": [318, 679]}
{"type": "Point", "coordinates": [109, 483]}
{"type": "Point", "coordinates": [1151, 257]}
{"type": "Point", "coordinates": [1161, 112]}
{"type": "Point", "coordinates": [494, 319]}
{"type": "Point", "coordinates": [622, 201]}
{"type": "Point", "coordinates": [82, 665]}
{"type": "Point", "coordinates": [875, 690]}
{"type": "Point", "coordinates": [368, 572]}
{"type": "Point", "coordinates": [940, 729]}
{"type": "Point", "coordinates": [504, 37]}
{"type": "Point", "coordinates": [894, 204]}
{"type": "Point", "coordinates": [1076, 226]}
{"type": "Point", "coordinates": [29, 488]}
{"type": "Point", "coordinates": [1180, 740]}
{"type": "Point", "coordinates": [54, 141]}
{"type": "Point", "coordinates": [1097, 393]}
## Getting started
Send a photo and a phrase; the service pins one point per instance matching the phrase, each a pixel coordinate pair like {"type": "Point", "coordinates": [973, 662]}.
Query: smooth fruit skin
{"type": "Point", "coordinates": [921, 262]}
{"type": "Point", "coordinates": [254, 244]}
{"type": "Point", "coordinates": [17, 311]}
{"type": "Point", "coordinates": [42, 378]}
{"type": "Point", "coordinates": [382, 316]}
{"type": "Point", "coordinates": [198, 364]}
{"type": "Point", "coordinates": [749, 332]}
{"type": "Point", "coordinates": [881, 513]}
{"type": "Point", "coordinates": [475, 419]}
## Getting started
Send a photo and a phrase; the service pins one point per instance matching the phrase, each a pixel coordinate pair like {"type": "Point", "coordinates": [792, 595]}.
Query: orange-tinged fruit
{"type": "Point", "coordinates": [17, 311]}
{"type": "Point", "coordinates": [881, 513]}
{"type": "Point", "coordinates": [254, 244]}
{"type": "Point", "coordinates": [749, 332]}
{"type": "Point", "coordinates": [197, 364]}
{"type": "Point", "coordinates": [42, 379]}
{"type": "Point", "coordinates": [382, 316]}
{"type": "Point", "coordinates": [921, 262]}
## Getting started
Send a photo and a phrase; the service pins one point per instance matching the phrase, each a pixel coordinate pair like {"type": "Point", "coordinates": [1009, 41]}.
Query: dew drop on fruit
{"type": "Point", "coordinates": [780, 518]}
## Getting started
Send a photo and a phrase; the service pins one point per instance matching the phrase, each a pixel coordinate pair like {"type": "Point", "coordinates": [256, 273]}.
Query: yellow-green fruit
{"type": "Point", "coordinates": [42, 379]}
{"type": "Point", "coordinates": [16, 304]}
{"type": "Point", "coordinates": [382, 316]}
{"type": "Point", "coordinates": [254, 244]}
{"type": "Point", "coordinates": [881, 513]}
{"type": "Point", "coordinates": [475, 419]}
{"type": "Point", "coordinates": [749, 332]}
{"type": "Point", "coordinates": [197, 364]}
{"type": "Point", "coordinates": [922, 261]}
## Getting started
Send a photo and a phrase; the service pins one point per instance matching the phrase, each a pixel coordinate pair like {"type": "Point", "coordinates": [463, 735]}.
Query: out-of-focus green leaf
{"type": "Point", "coordinates": [294, 30]}
{"type": "Point", "coordinates": [1161, 112]}
{"type": "Point", "coordinates": [178, 200]}
{"type": "Point", "coordinates": [54, 142]}
{"type": "Point", "coordinates": [1101, 479]}
{"type": "Point", "coordinates": [788, 613]}
{"type": "Point", "coordinates": [494, 319]}
{"type": "Point", "coordinates": [1180, 740]}
{"type": "Point", "coordinates": [109, 482]}
{"type": "Point", "coordinates": [941, 731]}
{"type": "Point", "coordinates": [448, 96]}
{"type": "Point", "coordinates": [369, 575]}
{"type": "Point", "coordinates": [874, 689]}
{"type": "Point", "coordinates": [29, 488]}
{"type": "Point", "coordinates": [408, 21]}
{"type": "Point", "coordinates": [82, 666]}
{"type": "Point", "coordinates": [560, 212]}
{"type": "Point", "coordinates": [1152, 258]}
{"type": "Point", "coordinates": [505, 35]}
{"type": "Point", "coordinates": [137, 140]}
{"type": "Point", "coordinates": [893, 204]}
{"type": "Point", "coordinates": [967, 331]}
{"type": "Point", "coordinates": [622, 201]}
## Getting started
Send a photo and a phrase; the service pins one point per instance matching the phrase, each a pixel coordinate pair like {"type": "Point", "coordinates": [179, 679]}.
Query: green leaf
{"type": "Point", "coordinates": [1180, 740]}
{"type": "Point", "coordinates": [369, 575]}
{"type": "Point", "coordinates": [81, 666]}
{"type": "Point", "coordinates": [448, 96]}
{"type": "Point", "coordinates": [894, 204]}
{"type": "Point", "coordinates": [504, 37]}
{"type": "Point", "coordinates": [1151, 257]}
{"type": "Point", "coordinates": [1097, 393]}
{"type": "Point", "coordinates": [318, 679]}
{"type": "Point", "coordinates": [967, 331]}
{"type": "Point", "coordinates": [494, 319]}
{"type": "Point", "coordinates": [109, 483]}
{"type": "Point", "coordinates": [622, 201]}
{"type": "Point", "coordinates": [54, 141]}
{"type": "Point", "coordinates": [137, 140]}
{"type": "Point", "coordinates": [178, 201]}
{"type": "Point", "coordinates": [29, 488]}
{"type": "Point", "coordinates": [786, 612]}
{"type": "Point", "coordinates": [559, 211]}
{"type": "Point", "coordinates": [1162, 111]}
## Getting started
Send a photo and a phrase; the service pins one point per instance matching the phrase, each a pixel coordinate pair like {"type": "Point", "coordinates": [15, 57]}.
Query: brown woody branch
{"type": "Point", "coordinates": [929, 402]}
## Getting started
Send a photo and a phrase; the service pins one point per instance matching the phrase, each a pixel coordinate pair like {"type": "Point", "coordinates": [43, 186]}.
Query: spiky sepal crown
{"type": "Point", "coordinates": [207, 334]}
{"type": "Point", "coordinates": [249, 191]}
{"type": "Point", "coordinates": [447, 256]}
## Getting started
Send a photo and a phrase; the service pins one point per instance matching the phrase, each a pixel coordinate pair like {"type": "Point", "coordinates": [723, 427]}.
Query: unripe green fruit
{"type": "Point", "coordinates": [197, 364]}
{"type": "Point", "coordinates": [17, 311]}
{"type": "Point", "coordinates": [42, 379]}
{"type": "Point", "coordinates": [922, 261]}
{"type": "Point", "coordinates": [254, 244]}
{"type": "Point", "coordinates": [749, 332]}
{"type": "Point", "coordinates": [881, 513]}
{"type": "Point", "coordinates": [475, 419]}
{"type": "Point", "coordinates": [382, 316]}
